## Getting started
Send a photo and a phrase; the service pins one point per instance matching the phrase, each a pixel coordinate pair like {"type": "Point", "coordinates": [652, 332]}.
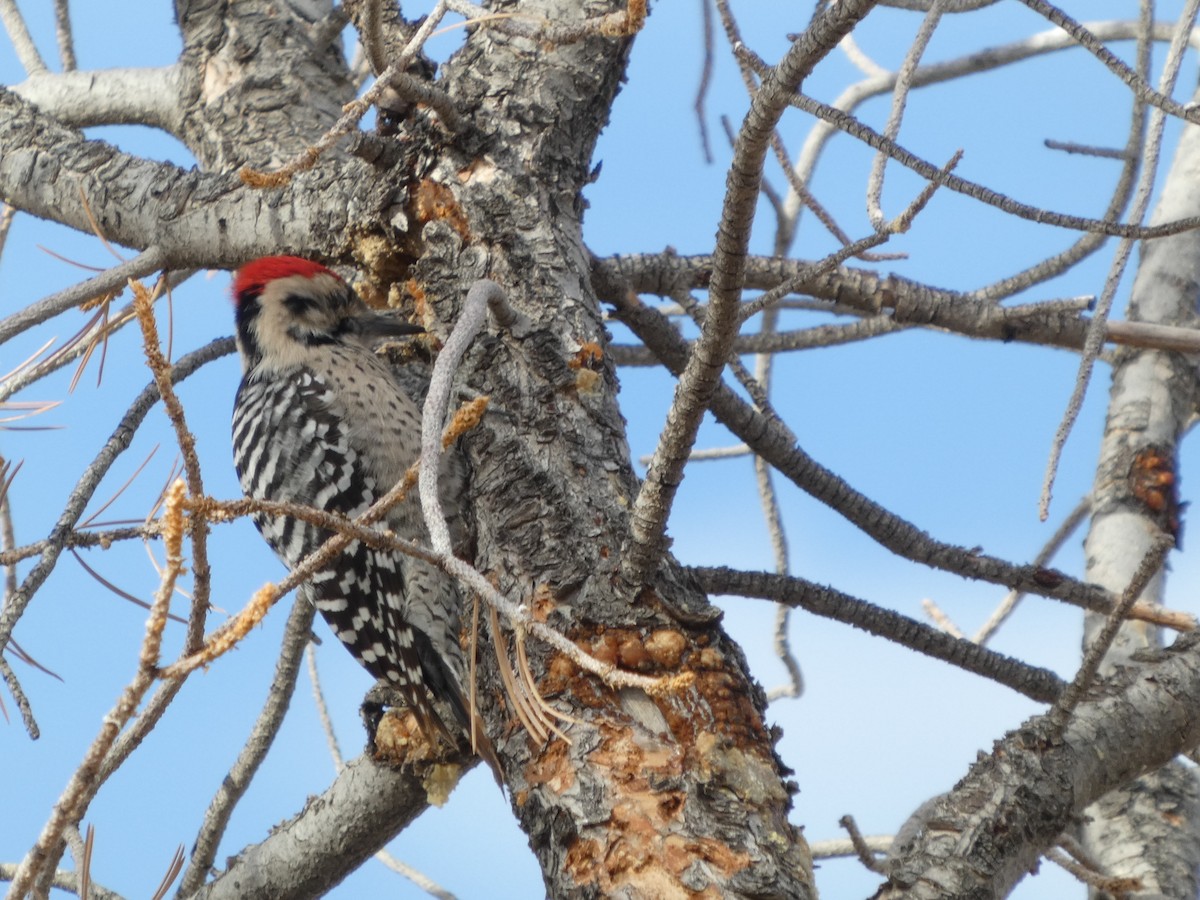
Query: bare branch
{"type": "Point", "coordinates": [364, 808]}
{"type": "Point", "coordinates": [214, 220]}
{"type": "Point", "coordinates": [1037, 782]}
{"type": "Point", "coordinates": [37, 869]}
{"type": "Point", "coordinates": [109, 281]}
{"type": "Point", "coordinates": [75, 504]}
{"type": "Point", "coordinates": [83, 99]}
{"type": "Point", "coordinates": [62, 31]}
{"type": "Point", "coordinates": [335, 751]}
{"type": "Point", "coordinates": [65, 881]}
{"type": "Point", "coordinates": [160, 368]}
{"type": "Point", "coordinates": [769, 438]}
{"type": "Point", "coordinates": [1141, 202]}
{"type": "Point", "coordinates": [1151, 563]}
{"type": "Point", "coordinates": [1052, 546]}
{"type": "Point", "coordinates": [705, 77]}
{"type": "Point", "coordinates": [18, 694]}
{"type": "Point", "coordinates": [1036, 683]}
{"type": "Point", "coordinates": [866, 855]}
{"type": "Point", "coordinates": [984, 60]}
{"type": "Point", "coordinates": [1052, 323]}
{"type": "Point", "coordinates": [703, 372]}
{"type": "Point", "coordinates": [1109, 884]}
{"type": "Point", "coordinates": [1160, 99]}
{"type": "Point", "coordinates": [234, 785]}
{"type": "Point", "coordinates": [899, 99]}
{"type": "Point", "coordinates": [22, 41]}
{"type": "Point", "coordinates": [420, 879]}
{"type": "Point", "coordinates": [837, 848]}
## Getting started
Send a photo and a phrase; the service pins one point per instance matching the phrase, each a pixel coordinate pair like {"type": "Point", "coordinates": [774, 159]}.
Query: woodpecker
{"type": "Point", "coordinates": [320, 421]}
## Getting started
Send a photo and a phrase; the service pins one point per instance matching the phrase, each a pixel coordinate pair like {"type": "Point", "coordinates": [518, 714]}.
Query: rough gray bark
{"type": "Point", "coordinates": [682, 793]}
{"type": "Point", "coordinates": [978, 840]}
{"type": "Point", "coordinates": [642, 802]}
{"type": "Point", "coordinates": [669, 795]}
{"type": "Point", "coordinates": [364, 808]}
{"type": "Point", "coordinates": [1150, 828]}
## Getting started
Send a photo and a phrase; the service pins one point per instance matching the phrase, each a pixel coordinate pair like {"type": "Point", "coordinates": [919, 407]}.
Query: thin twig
{"type": "Point", "coordinates": [1084, 149]}
{"type": "Point", "coordinates": [7, 214]}
{"type": "Point", "coordinates": [1039, 684]}
{"type": "Point", "coordinates": [64, 881]}
{"type": "Point", "coordinates": [839, 848]}
{"type": "Point", "coordinates": [891, 130]}
{"type": "Point", "coordinates": [235, 784]}
{"type": "Point", "coordinates": [420, 879]}
{"type": "Point", "coordinates": [706, 69]}
{"type": "Point", "coordinates": [1109, 885]}
{"type": "Point", "coordinates": [1118, 202]}
{"type": "Point", "coordinates": [987, 59]}
{"type": "Point", "coordinates": [1075, 691]}
{"type": "Point", "coordinates": [18, 694]}
{"type": "Point", "coordinates": [1000, 615]}
{"type": "Point", "coordinates": [62, 32]}
{"type": "Point", "coordinates": [769, 501]}
{"type": "Point", "coordinates": [149, 260]}
{"type": "Point", "coordinates": [983, 194]}
{"type": "Point", "coordinates": [711, 453]}
{"type": "Point", "coordinates": [1141, 202]}
{"type": "Point", "coordinates": [335, 750]}
{"type": "Point", "coordinates": [72, 805]}
{"type": "Point", "coordinates": [1142, 90]}
{"type": "Point", "coordinates": [22, 41]}
{"type": "Point", "coordinates": [866, 854]}
{"type": "Point", "coordinates": [941, 619]}
{"type": "Point", "coordinates": [437, 401]}
{"type": "Point", "coordinates": [71, 539]}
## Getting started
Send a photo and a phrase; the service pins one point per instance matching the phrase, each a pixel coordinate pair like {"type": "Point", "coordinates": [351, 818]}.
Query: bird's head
{"type": "Point", "coordinates": [286, 305]}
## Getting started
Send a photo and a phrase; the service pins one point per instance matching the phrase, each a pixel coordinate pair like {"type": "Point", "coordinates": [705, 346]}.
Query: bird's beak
{"type": "Point", "coordinates": [381, 326]}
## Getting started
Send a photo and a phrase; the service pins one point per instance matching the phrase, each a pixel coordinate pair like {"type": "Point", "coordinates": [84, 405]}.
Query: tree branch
{"type": "Point", "coordinates": [1034, 682]}
{"type": "Point", "coordinates": [234, 786]}
{"type": "Point", "coordinates": [194, 219]}
{"type": "Point", "coordinates": [22, 41]}
{"type": "Point", "coordinates": [117, 444]}
{"type": "Point", "coordinates": [1049, 323]}
{"type": "Point", "coordinates": [703, 371]}
{"type": "Point", "coordinates": [983, 836]}
{"type": "Point", "coordinates": [109, 97]}
{"type": "Point", "coordinates": [770, 438]}
{"type": "Point", "coordinates": [364, 808]}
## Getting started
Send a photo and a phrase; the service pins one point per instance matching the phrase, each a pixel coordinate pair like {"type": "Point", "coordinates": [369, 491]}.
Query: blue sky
{"type": "Point", "coordinates": [950, 433]}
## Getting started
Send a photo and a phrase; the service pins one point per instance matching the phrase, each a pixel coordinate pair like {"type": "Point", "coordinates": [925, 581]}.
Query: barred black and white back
{"type": "Point", "coordinates": [319, 421]}
{"type": "Point", "coordinates": [289, 447]}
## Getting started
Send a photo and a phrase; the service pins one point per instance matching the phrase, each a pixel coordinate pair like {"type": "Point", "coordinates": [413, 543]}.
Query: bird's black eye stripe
{"type": "Point", "coordinates": [298, 304]}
